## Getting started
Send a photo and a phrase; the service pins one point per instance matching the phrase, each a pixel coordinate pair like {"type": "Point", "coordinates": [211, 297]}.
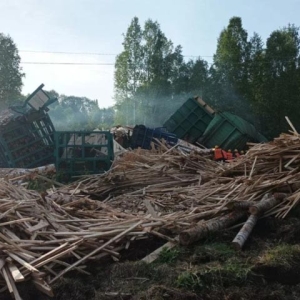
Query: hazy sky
{"type": "Point", "coordinates": [96, 26]}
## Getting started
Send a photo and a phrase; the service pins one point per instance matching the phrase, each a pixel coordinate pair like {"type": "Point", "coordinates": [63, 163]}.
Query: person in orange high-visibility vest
{"type": "Point", "coordinates": [229, 155]}
{"type": "Point", "coordinates": [219, 154]}
{"type": "Point", "coordinates": [224, 154]}
{"type": "Point", "coordinates": [236, 153]}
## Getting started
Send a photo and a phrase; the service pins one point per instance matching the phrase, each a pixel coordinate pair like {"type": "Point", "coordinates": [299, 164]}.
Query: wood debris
{"type": "Point", "coordinates": [162, 192]}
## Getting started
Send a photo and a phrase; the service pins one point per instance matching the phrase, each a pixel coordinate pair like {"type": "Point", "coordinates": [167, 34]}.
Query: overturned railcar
{"type": "Point", "coordinates": [27, 133]}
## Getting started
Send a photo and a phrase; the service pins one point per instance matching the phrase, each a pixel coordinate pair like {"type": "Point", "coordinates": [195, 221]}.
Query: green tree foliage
{"type": "Point", "coordinates": [151, 76]}
{"type": "Point", "coordinates": [230, 71]}
{"type": "Point", "coordinates": [259, 82]}
{"type": "Point", "coordinates": [280, 93]}
{"type": "Point", "coordinates": [129, 69]}
{"type": "Point", "coordinates": [79, 113]}
{"type": "Point", "coordinates": [10, 72]}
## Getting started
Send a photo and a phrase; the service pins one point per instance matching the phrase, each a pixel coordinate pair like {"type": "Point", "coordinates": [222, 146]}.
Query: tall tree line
{"type": "Point", "coordinates": [10, 72]}
{"type": "Point", "coordinates": [79, 113]}
{"type": "Point", "coordinates": [259, 82]}
{"type": "Point", "coordinates": [151, 75]}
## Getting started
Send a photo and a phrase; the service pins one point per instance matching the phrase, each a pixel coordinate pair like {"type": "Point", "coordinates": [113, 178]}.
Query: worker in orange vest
{"type": "Point", "coordinates": [219, 154]}
{"type": "Point", "coordinates": [229, 155]}
{"type": "Point", "coordinates": [236, 153]}
{"type": "Point", "coordinates": [224, 154]}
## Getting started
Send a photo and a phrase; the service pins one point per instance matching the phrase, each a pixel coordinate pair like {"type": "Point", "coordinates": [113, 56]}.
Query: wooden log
{"type": "Point", "coordinates": [22, 262]}
{"type": "Point", "coordinates": [150, 208]}
{"type": "Point", "coordinates": [42, 224]}
{"type": "Point", "coordinates": [10, 283]}
{"type": "Point", "coordinates": [192, 235]}
{"type": "Point", "coordinates": [244, 233]}
{"type": "Point", "coordinates": [267, 202]}
{"type": "Point", "coordinates": [43, 287]}
{"type": "Point", "coordinates": [240, 205]}
{"type": "Point", "coordinates": [15, 272]}
{"type": "Point", "coordinates": [96, 251]}
{"type": "Point", "coordinates": [292, 126]}
{"type": "Point", "coordinates": [2, 263]}
{"type": "Point", "coordinates": [289, 188]}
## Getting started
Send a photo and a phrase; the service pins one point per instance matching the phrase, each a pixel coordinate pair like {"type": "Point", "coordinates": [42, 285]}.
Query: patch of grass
{"type": "Point", "coordinates": [134, 276]}
{"type": "Point", "coordinates": [231, 272]}
{"type": "Point", "coordinates": [159, 292]}
{"type": "Point", "coordinates": [214, 251]}
{"type": "Point", "coordinates": [168, 255]}
{"type": "Point", "coordinates": [236, 269]}
{"type": "Point", "coordinates": [38, 185]}
{"type": "Point", "coordinates": [283, 255]}
{"type": "Point", "coordinates": [189, 281]}
{"type": "Point", "coordinates": [68, 288]}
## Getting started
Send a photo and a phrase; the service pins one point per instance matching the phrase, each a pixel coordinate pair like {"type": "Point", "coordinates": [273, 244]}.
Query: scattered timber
{"type": "Point", "coordinates": [163, 192]}
{"type": "Point", "coordinates": [192, 235]}
{"type": "Point", "coordinates": [244, 233]}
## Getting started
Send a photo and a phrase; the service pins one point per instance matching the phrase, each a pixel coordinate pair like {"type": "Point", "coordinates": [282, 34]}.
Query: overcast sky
{"type": "Point", "coordinates": [96, 26]}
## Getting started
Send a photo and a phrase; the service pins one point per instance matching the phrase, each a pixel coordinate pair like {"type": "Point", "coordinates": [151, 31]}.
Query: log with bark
{"type": "Point", "coordinates": [198, 232]}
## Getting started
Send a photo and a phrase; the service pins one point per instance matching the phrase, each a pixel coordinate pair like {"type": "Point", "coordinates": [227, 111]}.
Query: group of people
{"type": "Point", "coordinates": [226, 156]}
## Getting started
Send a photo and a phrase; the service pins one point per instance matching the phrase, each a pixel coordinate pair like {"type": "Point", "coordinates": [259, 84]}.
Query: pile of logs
{"type": "Point", "coordinates": [40, 238]}
{"type": "Point", "coordinates": [162, 192]}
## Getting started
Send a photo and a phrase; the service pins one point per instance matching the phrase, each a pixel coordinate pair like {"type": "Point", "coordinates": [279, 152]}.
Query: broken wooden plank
{"type": "Point", "coordinates": [15, 272]}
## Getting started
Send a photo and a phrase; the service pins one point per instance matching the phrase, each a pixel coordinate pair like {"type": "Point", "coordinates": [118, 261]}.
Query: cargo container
{"type": "Point", "coordinates": [229, 131]}
{"type": "Point", "coordinates": [26, 133]}
{"type": "Point", "coordinates": [191, 120]}
{"type": "Point", "coordinates": [82, 152]}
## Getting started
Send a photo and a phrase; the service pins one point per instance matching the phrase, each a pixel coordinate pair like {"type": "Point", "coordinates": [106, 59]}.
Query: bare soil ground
{"type": "Point", "coordinates": [268, 268]}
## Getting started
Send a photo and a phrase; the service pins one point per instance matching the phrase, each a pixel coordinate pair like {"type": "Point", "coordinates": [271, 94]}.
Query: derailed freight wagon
{"type": "Point", "coordinates": [229, 131]}
{"type": "Point", "coordinates": [190, 120]}
{"type": "Point", "coordinates": [82, 153]}
{"type": "Point", "coordinates": [26, 133]}
{"type": "Point", "coordinates": [197, 122]}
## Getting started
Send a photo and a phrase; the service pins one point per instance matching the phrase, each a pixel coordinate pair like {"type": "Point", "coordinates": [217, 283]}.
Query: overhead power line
{"type": "Point", "coordinates": [66, 63]}
{"type": "Point", "coordinates": [92, 53]}
{"type": "Point", "coordinates": [113, 63]}
{"type": "Point", "coordinates": [71, 63]}
{"type": "Point", "coordinates": [63, 52]}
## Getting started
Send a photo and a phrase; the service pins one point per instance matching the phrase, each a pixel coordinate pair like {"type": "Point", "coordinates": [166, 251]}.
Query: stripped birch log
{"type": "Point", "coordinates": [192, 235]}
{"type": "Point", "coordinates": [244, 233]}
{"type": "Point", "coordinates": [267, 202]}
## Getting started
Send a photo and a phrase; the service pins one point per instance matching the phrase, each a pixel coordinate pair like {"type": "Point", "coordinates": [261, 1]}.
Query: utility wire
{"type": "Point", "coordinates": [66, 63]}
{"type": "Point", "coordinates": [91, 53]}
{"type": "Point", "coordinates": [62, 52]}
{"type": "Point", "coordinates": [71, 63]}
{"type": "Point", "coordinates": [113, 64]}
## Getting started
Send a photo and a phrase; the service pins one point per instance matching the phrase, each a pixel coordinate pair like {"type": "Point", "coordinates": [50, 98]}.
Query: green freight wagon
{"type": "Point", "coordinates": [80, 153]}
{"type": "Point", "coordinates": [229, 131]}
{"type": "Point", "coordinates": [191, 120]}
{"type": "Point", "coordinates": [26, 133]}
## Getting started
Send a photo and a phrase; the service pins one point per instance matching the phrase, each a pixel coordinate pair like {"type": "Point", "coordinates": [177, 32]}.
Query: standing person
{"type": "Point", "coordinates": [229, 155]}
{"type": "Point", "coordinates": [236, 153]}
{"type": "Point", "coordinates": [219, 154]}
